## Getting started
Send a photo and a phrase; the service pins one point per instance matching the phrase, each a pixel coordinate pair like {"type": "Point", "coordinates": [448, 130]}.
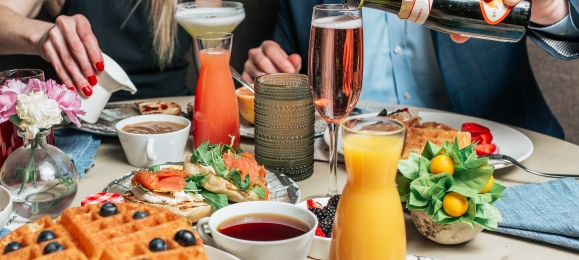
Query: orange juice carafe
{"type": "Point", "coordinates": [369, 222]}
{"type": "Point", "coordinates": [216, 116]}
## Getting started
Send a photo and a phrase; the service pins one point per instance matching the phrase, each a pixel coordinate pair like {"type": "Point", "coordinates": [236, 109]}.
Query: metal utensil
{"type": "Point", "coordinates": [239, 79]}
{"type": "Point", "coordinates": [506, 158]}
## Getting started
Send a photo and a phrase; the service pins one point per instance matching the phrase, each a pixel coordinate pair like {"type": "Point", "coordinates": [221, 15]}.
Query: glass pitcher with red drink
{"type": "Point", "coordinates": [216, 116]}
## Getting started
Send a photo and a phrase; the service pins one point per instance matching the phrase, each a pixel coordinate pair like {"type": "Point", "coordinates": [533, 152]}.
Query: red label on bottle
{"type": "Point", "coordinates": [494, 11]}
{"type": "Point", "coordinates": [420, 11]}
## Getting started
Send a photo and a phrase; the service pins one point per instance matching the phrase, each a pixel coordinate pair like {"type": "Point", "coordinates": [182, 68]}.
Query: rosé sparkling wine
{"type": "Point", "coordinates": [336, 79]}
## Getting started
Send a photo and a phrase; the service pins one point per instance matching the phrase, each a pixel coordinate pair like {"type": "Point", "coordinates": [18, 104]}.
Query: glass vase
{"type": "Point", "coordinates": [42, 179]}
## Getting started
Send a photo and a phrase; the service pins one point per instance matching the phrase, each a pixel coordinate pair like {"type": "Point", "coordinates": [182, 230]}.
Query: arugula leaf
{"type": "Point", "coordinates": [142, 187]}
{"type": "Point", "coordinates": [260, 191]}
{"type": "Point", "coordinates": [191, 187]}
{"type": "Point", "coordinates": [236, 177]}
{"type": "Point", "coordinates": [198, 179]}
{"type": "Point", "coordinates": [216, 201]}
{"type": "Point", "coordinates": [201, 155]}
{"type": "Point", "coordinates": [154, 168]}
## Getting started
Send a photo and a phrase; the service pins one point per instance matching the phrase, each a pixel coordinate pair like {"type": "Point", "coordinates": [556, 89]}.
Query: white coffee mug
{"type": "Point", "coordinates": [291, 249]}
{"type": "Point", "coordinates": [144, 150]}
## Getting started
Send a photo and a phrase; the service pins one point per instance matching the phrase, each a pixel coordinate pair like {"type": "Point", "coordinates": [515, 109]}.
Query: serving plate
{"type": "Point", "coordinates": [110, 116]}
{"type": "Point", "coordinates": [508, 140]}
{"type": "Point", "coordinates": [281, 187]}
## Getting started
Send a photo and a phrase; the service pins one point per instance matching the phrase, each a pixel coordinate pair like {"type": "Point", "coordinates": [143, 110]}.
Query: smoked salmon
{"type": "Point", "coordinates": [165, 180]}
{"type": "Point", "coordinates": [246, 165]}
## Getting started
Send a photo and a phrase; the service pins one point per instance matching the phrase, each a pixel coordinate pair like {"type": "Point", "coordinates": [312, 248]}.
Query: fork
{"type": "Point", "coordinates": [506, 158]}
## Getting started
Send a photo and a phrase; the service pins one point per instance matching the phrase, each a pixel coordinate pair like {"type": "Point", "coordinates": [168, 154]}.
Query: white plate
{"type": "Point", "coordinates": [216, 254]}
{"type": "Point", "coordinates": [508, 140]}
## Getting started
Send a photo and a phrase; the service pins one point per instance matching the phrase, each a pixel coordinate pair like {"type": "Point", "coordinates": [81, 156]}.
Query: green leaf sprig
{"type": "Point", "coordinates": [422, 190]}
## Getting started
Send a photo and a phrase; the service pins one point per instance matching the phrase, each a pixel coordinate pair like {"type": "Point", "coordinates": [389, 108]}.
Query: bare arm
{"type": "Point", "coordinates": [69, 44]}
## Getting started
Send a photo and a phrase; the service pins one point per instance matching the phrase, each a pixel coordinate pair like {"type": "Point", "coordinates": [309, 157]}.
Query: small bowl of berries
{"type": "Point", "coordinates": [325, 211]}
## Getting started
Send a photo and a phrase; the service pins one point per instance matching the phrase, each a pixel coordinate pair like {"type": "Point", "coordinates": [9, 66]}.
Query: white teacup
{"type": "Point", "coordinates": [295, 248]}
{"type": "Point", "coordinates": [143, 150]}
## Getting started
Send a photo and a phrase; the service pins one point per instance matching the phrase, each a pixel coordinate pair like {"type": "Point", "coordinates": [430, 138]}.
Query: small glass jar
{"type": "Point", "coordinates": [284, 124]}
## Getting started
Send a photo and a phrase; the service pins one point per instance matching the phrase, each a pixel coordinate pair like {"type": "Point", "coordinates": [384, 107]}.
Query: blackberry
{"type": "Point", "coordinates": [320, 214]}
{"type": "Point", "coordinates": [329, 212]}
{"type": "Point", "coordinates": [326, 226]}
{"type": "Point", "coordinates": [333, 201]}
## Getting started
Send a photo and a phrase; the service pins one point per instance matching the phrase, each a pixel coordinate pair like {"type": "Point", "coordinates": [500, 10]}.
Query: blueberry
{"type": "Point", "coordinates": [140, 214]}
{"type": "Point", "coordinates": [108, 209]}
{"type": "Point", "coordinates": [45, 236]}
{"type": "Point", "coordinates": [157, 245]}
{"type": "Point", "coordinates": [52, 247]}
{"type": "Point", "coordinates": [185, 238]}
{"type": "Point", "coordinates": [13, 246]}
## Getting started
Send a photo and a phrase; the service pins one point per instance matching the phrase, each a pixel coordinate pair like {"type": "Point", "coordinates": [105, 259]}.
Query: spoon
{"type": "Point", "coordinates": [506, 158]}
{"type": "Point", "coordinates": [239, 79]}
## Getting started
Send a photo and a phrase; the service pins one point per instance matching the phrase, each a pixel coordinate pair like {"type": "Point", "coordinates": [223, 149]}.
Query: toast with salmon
{"type": "Point", "coordinates": [167, 188]}
{"type": "Point", "coordinates": [233, 173]}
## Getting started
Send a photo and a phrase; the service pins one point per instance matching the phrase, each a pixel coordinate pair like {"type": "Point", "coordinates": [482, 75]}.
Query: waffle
{"type": "Point", "coordinates": [85, 234]}
{"type": "Point", "coordinates": [417, 132]}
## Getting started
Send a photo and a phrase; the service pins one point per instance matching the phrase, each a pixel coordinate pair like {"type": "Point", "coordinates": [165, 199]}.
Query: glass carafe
{"type": "Point", "coordinates": [216, 117]}
{"type": "Point", "coordinates": [369, 220]}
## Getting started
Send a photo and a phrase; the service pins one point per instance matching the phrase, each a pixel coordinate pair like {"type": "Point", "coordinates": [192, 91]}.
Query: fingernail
{"type": "Point", "coordinates": [100, 65]}
{"type": "Point", "coordinates": [72, 88]}
{"type": "Point", "coordinates": [87, 91]}
{"type": "Point", "coordinates": [92, 80]}
{"type": "Point", "coordinates": [290, 70]}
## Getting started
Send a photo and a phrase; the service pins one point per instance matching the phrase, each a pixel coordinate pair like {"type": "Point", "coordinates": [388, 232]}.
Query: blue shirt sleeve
{"type": "Point", "coordinates": [564, 29]}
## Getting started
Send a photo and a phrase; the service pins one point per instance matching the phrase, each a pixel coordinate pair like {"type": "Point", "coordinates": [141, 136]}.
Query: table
{"type": "Point", "coordinates": [549, 155]}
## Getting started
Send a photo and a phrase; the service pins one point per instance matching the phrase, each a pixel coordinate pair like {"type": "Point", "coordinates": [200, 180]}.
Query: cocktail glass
{"type": "Point", "coordinates": [198, 18]}
{"type": "Point", "coordinates": [335, 69]}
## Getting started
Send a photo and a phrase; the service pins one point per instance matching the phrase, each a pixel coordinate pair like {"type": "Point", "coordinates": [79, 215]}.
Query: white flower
{"type": "Point", "coordinates": [37, 112]}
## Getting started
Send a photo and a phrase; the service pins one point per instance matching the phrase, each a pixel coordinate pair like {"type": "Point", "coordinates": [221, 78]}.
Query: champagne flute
{"type": "Point", "coordinates": [335, 61]}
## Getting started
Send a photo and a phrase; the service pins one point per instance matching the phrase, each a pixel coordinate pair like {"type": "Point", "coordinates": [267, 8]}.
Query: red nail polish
{"type": "Point", "coordinates": [87, 91]}
{"type": "Point", "coordinates": [72, 88]}
{"type": "Point", "coordinates": [92, 80]}
{"type": "Point", "coordinates": [100, 65]}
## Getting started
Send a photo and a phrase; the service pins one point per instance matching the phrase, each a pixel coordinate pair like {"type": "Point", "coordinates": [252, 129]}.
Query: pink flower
{"type": "Point", "coordinates": [68, 101]}
{"type": "Point", "coordinates": [8, 93]}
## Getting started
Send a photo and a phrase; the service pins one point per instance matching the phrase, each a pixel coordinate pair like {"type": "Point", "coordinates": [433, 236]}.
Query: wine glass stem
{"type": "Point", "coordinates": [333, 178]}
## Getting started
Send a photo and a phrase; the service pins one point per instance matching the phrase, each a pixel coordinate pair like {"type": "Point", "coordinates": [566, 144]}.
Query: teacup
{"type": "Point", "coordinates": [143, 150]}
{"type": "Point", "coordinates": [291, 248]}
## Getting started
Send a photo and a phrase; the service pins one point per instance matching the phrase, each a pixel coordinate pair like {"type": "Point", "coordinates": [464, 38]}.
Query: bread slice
{"type": "Point", "coordinates": [192, 210]}
{"type": "Point", "coordinates": [158, 107]}
{"type": "Point", "coordinates": [418, 133]}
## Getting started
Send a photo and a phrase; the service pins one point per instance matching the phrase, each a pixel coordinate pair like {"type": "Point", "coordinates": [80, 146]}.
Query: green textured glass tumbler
{"type": "Point", "coordinates": [284, 124]}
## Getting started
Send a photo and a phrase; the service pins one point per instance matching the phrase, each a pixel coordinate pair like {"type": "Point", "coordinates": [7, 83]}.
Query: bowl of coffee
{"type": "Point", "coordinates": [153, 139]}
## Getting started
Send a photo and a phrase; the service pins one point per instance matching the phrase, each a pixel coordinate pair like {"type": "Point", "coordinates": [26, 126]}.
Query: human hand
{"type": "Point", "coordinates": [543, 12]}
{"type": "Point", "coordinates": [269, 58]}
{"type": "Point", "coordinates": [73, 50]}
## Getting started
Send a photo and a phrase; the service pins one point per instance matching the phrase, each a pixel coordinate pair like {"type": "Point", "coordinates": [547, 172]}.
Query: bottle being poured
{"type": "Point", "coordinates": [484, 19]}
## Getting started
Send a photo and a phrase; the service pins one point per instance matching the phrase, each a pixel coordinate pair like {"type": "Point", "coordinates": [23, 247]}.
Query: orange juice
{"type": "Point", "coordinates": [369, 220]}
{"type": "Point", "coordinates": [216, 116]}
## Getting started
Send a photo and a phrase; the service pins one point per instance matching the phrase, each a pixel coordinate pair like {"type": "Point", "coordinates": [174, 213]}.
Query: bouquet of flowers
{"type": "Point", "coordinates": [446, 185]}
{"type": "Point", "coordinates": [35, 107]}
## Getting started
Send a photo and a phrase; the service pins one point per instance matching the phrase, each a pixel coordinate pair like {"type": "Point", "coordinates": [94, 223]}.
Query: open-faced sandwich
{"type": "Point", "coordinates": [209, 179]}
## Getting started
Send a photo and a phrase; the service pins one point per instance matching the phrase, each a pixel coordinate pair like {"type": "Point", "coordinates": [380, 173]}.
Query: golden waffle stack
{"type": "Point", "coordinates": [85, 234]}
{"type": "Point", "coordinates": [417, 133]}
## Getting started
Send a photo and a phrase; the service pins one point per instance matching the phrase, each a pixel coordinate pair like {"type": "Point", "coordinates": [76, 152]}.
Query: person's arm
{"type": "Point", "coordinates": [69, 44]}
{"type": "Point", "coordinates": [270, 57]}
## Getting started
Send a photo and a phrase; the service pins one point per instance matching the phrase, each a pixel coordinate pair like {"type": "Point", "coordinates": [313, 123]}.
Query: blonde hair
{"type": "Point", "coordinates": [163, 28]}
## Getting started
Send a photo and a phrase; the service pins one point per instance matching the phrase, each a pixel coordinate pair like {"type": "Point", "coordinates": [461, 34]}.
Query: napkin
{"type": "Point", "coordinates": [545, 212]}
{"type": "Point", "coordinates": [80, 146]}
